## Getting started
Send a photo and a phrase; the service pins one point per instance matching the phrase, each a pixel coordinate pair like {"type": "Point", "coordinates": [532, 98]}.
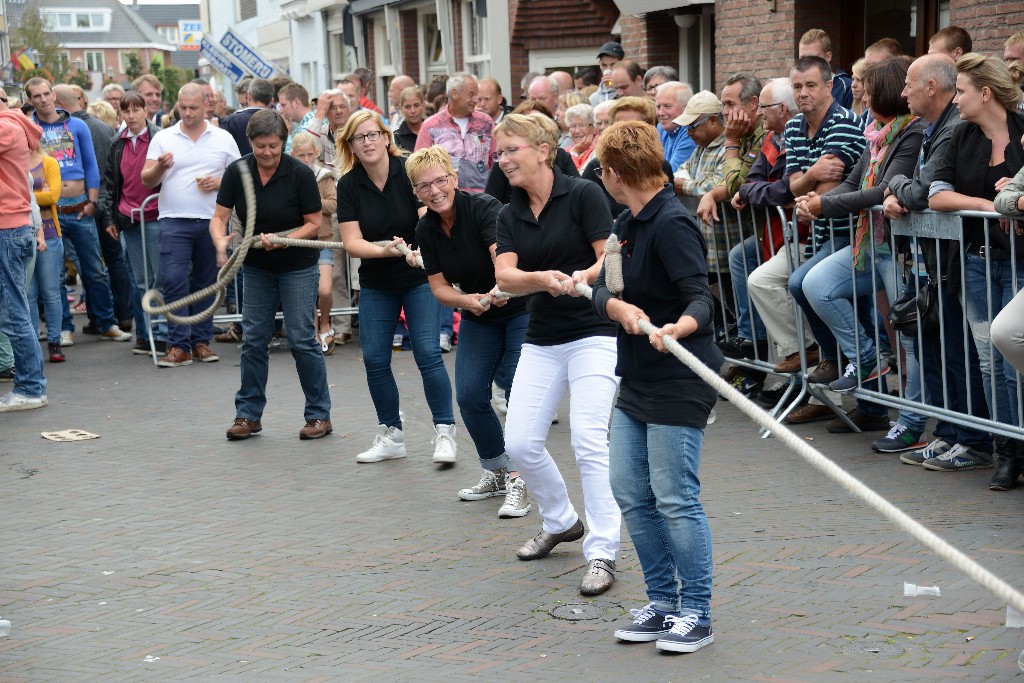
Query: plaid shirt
{"type": "Point", "coordinates": [702, 171]}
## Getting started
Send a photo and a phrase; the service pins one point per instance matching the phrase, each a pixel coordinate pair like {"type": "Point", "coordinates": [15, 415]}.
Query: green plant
{"type": "Point", "coordinates": [31, 33]}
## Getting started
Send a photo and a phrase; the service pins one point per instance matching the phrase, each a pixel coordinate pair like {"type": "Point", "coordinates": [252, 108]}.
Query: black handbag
{"type": "Point", "coordinates": [911, 307]}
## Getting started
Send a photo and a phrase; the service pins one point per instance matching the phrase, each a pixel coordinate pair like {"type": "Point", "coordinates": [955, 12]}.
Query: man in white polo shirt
{"type": "Point", "coordinates": [188, 159]}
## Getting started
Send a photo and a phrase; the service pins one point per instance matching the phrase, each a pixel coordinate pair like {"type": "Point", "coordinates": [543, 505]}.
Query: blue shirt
{"type": "Point", "coordinates": [69, 141]}
{"type": "Point", "coordinates": [678, 146]}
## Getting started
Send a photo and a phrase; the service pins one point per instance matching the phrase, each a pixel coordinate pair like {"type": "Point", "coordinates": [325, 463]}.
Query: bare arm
{"type": "Point", "coordinates": [358, 246]}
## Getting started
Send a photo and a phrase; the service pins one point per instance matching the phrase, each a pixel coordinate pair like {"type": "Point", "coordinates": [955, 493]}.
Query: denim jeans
{"type": "Point", "coordinates": [144, 258]}
{"type": "Point", "coordinates": [295, 292]}
{"type": "Point", "coordinates": [654, 476]}
{"type": "Point", "coordinates": [483, 348]}
{"type": "Point", "coordinates": [44, 289]}
{"type": "Point", "coordinates": [946, 375]}
{"type": "Point", "coordinates": [81, 233]}
{"type": "Point", "coordinates": [17, 249]}
{"type": "Point", "coordinates": [446, 320]}
{"type": "Point", "coordinates": [994, 289]}
{"type": "Point", "coordinates": [188, 263]}
{"type": "Point", "coordinates": [744, 258]}
{"type": "Point", "coordinates": [121, 287]}
{"type": "Point", "coordinates": [822, 334]}
{"type": "Point", "coordinates": [378, 316]}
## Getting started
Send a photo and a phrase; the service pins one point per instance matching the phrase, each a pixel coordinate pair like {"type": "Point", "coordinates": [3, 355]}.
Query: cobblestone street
{"type": "Point", "coordinates": [162, 552]}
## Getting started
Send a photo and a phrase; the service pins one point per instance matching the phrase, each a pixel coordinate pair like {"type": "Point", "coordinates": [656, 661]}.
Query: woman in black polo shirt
{"type": "Point", "coordinates": [659, 419]}
{"type": "Point", "coordinates": [376, 203]}
{"type": "Point", "coordinates": [550, 236]}
{"type": "Point", "coordinates": [287, 198]}
{"type": "Point", "coordinates": [457, 243]}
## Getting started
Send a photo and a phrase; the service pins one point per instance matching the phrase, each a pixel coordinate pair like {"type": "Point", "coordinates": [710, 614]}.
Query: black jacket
{"type": "Point", "coordinates": [110, 196]}
{"type": "Point", "coordinates": [405, 138]}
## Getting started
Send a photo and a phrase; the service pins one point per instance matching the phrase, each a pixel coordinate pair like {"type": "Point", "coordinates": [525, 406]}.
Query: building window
{"type": "Point", "coordinates": [122, 60]}
{"type": "Point", "coordinates": [474, 37]}
{"type": "Point", "coordinates": [71, 22]}
{"type": "Point", "coordinates": [433, 47]}
{"type": "Point", "coordinates": [246, 9]}
{"type": "Point", "coordinates": [93, 60]}
{"type": "Point", "coordinates": [168, 33]}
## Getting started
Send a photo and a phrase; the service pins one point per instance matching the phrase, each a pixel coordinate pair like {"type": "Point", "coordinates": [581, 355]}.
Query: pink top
{"type": "Point", "coordinates": [18, 134]}
{"type": "Point", "coordinates": [133, 192]}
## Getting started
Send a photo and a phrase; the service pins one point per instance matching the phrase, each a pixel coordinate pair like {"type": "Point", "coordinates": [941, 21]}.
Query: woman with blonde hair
{"type": "Point", "coordinates": [549, 238]}
{"type": "Point", "coordinates": [457, 244]}
{"type": "Point", "coordinates": [414, 109]}
{"type": "Point", "coordinates": [983, 156]}
{"type": "Point", "coordinates": [376, 203]}
{"type": "Point", "coordinates": [860, 105]}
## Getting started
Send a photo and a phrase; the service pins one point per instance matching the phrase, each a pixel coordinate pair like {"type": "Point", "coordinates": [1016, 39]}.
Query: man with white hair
{"type": "Point", "coordinates": [670, 100]}
{"type": "Point", "coordinates": [544, 89]}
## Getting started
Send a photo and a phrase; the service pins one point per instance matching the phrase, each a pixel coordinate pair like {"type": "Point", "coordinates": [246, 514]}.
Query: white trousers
{"type": "Point", "coordinates": [768, 287]}
{"type": "Point", "coordinates": [586, 369]}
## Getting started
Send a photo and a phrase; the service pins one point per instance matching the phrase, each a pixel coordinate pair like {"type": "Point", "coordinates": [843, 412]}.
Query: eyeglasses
{"type": "Point", "coordinates": [372, 136]}
{"type": "Point", "coordinates": [579, 126]}
{"type": "Point", "coordinates": [762, 107]}
{"type": "Point", "coordinates": [436, 183]}
{"type": "Point", "coordinates": [508, 150]}
{"type": "Point", "coordinates": [698, 123]}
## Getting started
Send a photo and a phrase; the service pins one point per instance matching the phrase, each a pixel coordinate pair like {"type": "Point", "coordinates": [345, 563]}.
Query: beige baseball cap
{"type": "Point", "coordinates": [703, 103]}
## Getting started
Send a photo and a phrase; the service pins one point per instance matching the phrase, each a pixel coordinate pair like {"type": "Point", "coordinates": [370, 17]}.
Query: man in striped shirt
{"type": "Point", "coordinates": [823, 143]}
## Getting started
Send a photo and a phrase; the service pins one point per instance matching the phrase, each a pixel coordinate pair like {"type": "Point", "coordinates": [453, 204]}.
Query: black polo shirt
{"type": "Point", "coordinates": [465, 257]}
{"type": "Point", "coordinates": [575, 216]}
{"type": "Point", "coordinates": [382, 215]}
{"type": "Point", "coordinates": [290, 194]}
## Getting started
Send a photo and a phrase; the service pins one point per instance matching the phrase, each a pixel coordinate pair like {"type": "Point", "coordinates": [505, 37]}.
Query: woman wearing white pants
{"type": "Point", "coordinates": [554, 226]}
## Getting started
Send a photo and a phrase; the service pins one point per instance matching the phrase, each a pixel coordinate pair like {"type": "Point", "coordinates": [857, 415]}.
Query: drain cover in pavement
{"type": "Point", "coordinates": [872, 649]}
{"type": "Point", "coordinates": [577, 611]}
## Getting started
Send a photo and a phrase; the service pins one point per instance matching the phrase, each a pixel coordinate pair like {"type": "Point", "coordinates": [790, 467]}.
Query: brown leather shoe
{"type": "Point", "coordinates": [175, 357]}
{"type": "Point", "coordinates": [826, 373]}
{"type": "Point", "coordinates": [791, 363]}
{"type": "Point", "coordinates": [242, 428]}
{"type": "Point", "coordinates": [203, 353]}
{"type": "Point", "coordinates": [540, 545]}
{"type": "Point", "coordinates": [315, 429]}
{"type": "Point", "coordinates": [232, 336]}
{"type": "Point", "coordinates": [809, 413]}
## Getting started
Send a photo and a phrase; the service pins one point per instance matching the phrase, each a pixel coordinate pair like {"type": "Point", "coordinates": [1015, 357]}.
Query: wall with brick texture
{"type": "Point", "coordinates": [410, 44]}
{"type": "Point", "coordinates": [651, 40]}
{"type": "Point", "coordinates": [750, 38]}
{"type": "Point", "coordinates": [989, 23]}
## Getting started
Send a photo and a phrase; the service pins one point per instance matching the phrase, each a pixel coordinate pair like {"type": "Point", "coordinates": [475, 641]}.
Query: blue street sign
{"type": "Point", "coordinates": [247, 56]}
{"type": "Point", "coordinates": [220, 61]}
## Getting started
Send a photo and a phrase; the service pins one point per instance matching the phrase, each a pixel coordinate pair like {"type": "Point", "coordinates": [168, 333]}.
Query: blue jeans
{"type": "Point", "coordinates": [295, 292]}
{"type": "Point", "coordinates": [744, 258]}
{"type": "Point", "coordinates": [81, 233]}
{"type": "Point", "coordinates": [483, 348]}
{"type": "Point", "coordinates": [654, 476]}
{"type": "Point", "coordinates": [121, 288]}
{"type": "Point", "coordinates": [447, 321]}
{"type": "Point", "coordinates": [188, 263]}
{"type": "Point", "coordinates": [981, 291]}
{"type": "Point", "coordinates": [17, 249]}
{"type": "Point", "coordinates": [819, 329]}
{"type": "Point", "coordinates": [44, 289]}
{"type": "Point", "coordinates": [144, 259]}
{"type": "Point", "coordinates": [953, 384]}
{"type": "Point", "coordinates": [378, 316]}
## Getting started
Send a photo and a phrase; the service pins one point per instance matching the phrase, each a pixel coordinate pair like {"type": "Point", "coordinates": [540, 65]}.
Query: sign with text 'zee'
{"type": "Point", "coordinates": [247, 56]}
{"type": "Point", "coordinates": [191, 33]}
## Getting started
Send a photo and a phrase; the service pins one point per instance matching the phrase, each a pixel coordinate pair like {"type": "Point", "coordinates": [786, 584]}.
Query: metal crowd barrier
{"type": "Point", "coordinates": [221, 319]}
{"type": "Point", "coordinates": [921, 232]}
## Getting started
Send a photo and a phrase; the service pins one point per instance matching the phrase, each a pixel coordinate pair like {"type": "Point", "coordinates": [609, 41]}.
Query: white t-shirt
{"type": "Point", "coordinates": [180, 196]}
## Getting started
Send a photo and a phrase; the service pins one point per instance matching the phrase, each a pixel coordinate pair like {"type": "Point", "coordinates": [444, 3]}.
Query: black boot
{"type": "Point", "coordinates": [1009, 455]}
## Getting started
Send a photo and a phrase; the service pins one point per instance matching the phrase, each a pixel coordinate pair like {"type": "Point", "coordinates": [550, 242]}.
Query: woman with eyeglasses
{"type": "Point", "coordinates": [457, 244]}
{"type": "Point", "coordinates": [376, 202]}
{"type": "Point", "coordinates": [580, 119]}
{"type": "Point", "coordinates": [551, 236]}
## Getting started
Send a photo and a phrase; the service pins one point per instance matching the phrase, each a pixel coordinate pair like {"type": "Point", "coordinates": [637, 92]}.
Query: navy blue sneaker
{"type": "Point", "coordinates": [648, 624]}
{"type": "Point", "coordinates": [855, 376]}
{"type": "Point", "coordinates": [686, 635]}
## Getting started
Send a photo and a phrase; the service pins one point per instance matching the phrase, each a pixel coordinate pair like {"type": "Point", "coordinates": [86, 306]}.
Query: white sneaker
{"type": "Point", "coordinates": [67, 338]}
{"type": "Point", "coordinates": [115, 333]}
{"type": "Point", "coordinates": [498, 399]}
{"type": "Point", "coordinates": [13, 401]}
{"type": "Point", "coordinates": [445, 343]}
{"type": "Point", "coordinates": [444, 444]}
{"type": "Point", "coordinates": [388, 444]}
{"type": "Point", "coordinates": [517, 503]}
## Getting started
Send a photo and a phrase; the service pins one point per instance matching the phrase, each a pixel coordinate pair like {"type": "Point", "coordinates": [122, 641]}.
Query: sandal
{"type": "Point", "coordinates": [327, 341]}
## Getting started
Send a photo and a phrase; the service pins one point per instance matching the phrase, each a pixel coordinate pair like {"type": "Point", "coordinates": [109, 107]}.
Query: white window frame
{"type": "Point", "coordinates": [478, 64]}
{"type": "Point", "coordinates": [427, 69]}
{"type": "Point", "coordinates": [122, 60]}
{"type": "Point", "coordinates": [102, 62]}
{"type": "Point", "coordinates": [169, 34]}
{"type": "Point", "coordinates": [51, 19]}
{"type": "Point", "coordinates": [701, 66]}
{"type": "Point", "coordinates": [383, 60]}
{"type": "Point", "coordinates": [544, 61]}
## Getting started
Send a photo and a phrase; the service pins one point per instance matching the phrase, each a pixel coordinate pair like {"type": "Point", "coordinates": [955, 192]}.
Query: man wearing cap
{"type": "Point", "coordinates": [608, 56]}
{"type": "Point", "coordinates": [705, 169]}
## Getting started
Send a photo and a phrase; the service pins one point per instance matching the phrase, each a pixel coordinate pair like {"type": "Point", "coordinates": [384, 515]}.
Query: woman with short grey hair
{"type": "Point", "coordinates": [579, 119]}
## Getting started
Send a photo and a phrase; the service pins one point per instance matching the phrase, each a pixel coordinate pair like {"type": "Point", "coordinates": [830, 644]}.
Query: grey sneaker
{"type": "Point", "coordinates": [517, 503]}
{"type": "Point", "coordinates": [13, 401]}
{"type": "Point", "coordinates": [599, 577]}
{"type": "Point", "coordinates": [932, 450]}
{"type": "Point", "coordinates": [959, 457]}
{"type": "Point", "coordinates": [492, 483]}
{"type": "Point", "coordinates": [686, 635]}
{"type": "Point", "coordinates": [855, 376]}
{"type": "Point", "coordinates": [648, 624]}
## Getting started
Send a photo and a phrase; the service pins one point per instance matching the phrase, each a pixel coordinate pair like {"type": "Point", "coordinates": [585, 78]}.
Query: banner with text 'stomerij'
{"type": "Point", "coordinates": [220, 61]}
{"type": "Point", "coordinates": [245, 55]}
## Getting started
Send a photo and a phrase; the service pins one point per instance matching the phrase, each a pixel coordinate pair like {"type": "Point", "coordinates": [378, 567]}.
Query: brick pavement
{"type": "Point", "coordinates": [162, 552]}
